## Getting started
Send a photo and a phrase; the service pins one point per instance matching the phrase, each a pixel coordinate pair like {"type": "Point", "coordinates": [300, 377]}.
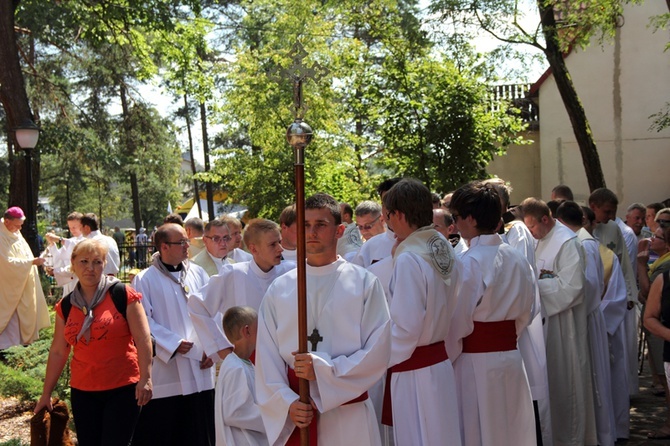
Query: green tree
{"type": "Point", "coordinates": [561, 25]}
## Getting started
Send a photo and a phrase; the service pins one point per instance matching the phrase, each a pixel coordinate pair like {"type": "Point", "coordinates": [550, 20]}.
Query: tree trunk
{"type": "Point", "coordinates": [205, 149]}
{"type": "Point", "coordinates": [130, 154]}
{"type": "Point", "coordinates": [196, 192]}
{"type": "Point", "coordinates": [576, 113]}
{"type": "Point", "coordinates": [17, 109]}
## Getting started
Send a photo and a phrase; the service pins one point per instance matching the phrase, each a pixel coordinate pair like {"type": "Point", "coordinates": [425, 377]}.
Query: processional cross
{"type": "Point", "coordinates": [299, 135]}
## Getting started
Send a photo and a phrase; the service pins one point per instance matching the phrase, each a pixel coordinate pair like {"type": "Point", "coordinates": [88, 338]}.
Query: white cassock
{"type": "Point", "coordinates": [531, 340]}
{"type": "Point", "coordinates": [610, 235]}
{"type": "Point", "coordinates": [239, 284]}
{"type": "Point", "coordinates": [347, 305]}
{"type": "Point", "coordinates": [375, 249]}
{"type": "Point", "coordinates": [460, 247]}
{"type": "Point", "coordinates": [631, 241]}
{"type": "Point", "coordinates": [614, 309]}
{"type": "Point", "coordinates": [423, 308]}
{"type": "Point", "coordinates": [238, 418]}
{"type": "Point", "coordinates": [383, 269]}
{"type": "Point", "coordinates": [598, 343]}
{"type": "Point", "coordinates": [496, 285]}
{"type": "Point", "coordinates": [165, 303]}
{"type": "Point", "coordinates": [113, 258]}
{"type": "Point", "coordinates": [240, 255]}
{"type": "Point", "coordinates": [568, 365]}
{"type": "Point", "coordinates": [62, 269]}
{"type": "Point", "coordinates": [290, 254]}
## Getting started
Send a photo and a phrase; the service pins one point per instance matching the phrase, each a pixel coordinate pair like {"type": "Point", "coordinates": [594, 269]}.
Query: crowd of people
{"type": "Point", "coordinates": [459, 320]}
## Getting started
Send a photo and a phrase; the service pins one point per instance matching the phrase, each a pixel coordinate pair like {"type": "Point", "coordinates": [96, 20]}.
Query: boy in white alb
{"type": "Point", "coordinates": [238, 418]}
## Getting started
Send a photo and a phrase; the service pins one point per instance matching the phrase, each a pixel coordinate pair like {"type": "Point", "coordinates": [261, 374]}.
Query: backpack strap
{"type": "Point", "coordinates": [66, 306]}
{"type": "Point", "coordinates": [120, 297]}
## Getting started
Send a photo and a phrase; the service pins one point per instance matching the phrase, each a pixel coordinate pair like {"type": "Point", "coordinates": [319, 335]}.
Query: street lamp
{"type": "Point", "coordinates": [27, 134]}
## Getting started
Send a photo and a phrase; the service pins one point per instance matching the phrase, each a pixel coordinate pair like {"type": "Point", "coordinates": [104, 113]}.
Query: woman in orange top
{"type": "Point", "coordinates": [111, 366]}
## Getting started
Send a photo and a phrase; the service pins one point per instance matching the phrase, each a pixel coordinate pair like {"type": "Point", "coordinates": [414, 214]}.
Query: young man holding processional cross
{"type": "Point", "coordinates": [348, 319]}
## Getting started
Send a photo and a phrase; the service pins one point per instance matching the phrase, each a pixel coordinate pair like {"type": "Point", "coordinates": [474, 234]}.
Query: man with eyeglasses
{"type": "Point", "coordinates": [215, 254]}
{"type": "Point", "coordinates": [182, 409]}
{"type": "Point", "coordinates": [603, 202]}
{"type": "Point", "coordinates": [239, 284]}
{"type": "Point", "coordinates": [377, 248]}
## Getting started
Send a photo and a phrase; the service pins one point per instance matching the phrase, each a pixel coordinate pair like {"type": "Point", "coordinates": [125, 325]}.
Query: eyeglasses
{"type": "Point", "coordinates": [455, 215]}
{"type": "Point", "coordinates": [369, 225]}
{"type": "Point", "coordinates": [657, 236]}
{"type": "Point", "coordinates": [388, 214]}
{"type": "Point", "coordinates": [183, 242]}
{"type": "Point", "coordinates": [217, 239]}
{"type": "Point", "coordinates": [663, 223]}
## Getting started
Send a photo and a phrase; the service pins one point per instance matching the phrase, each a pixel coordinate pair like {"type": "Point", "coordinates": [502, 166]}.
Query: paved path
{"type": "Point", "coordinates": [647, 413]}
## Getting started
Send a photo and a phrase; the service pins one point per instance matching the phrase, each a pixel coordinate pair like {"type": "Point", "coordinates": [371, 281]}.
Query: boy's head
{"type": "Point", "coordinates": [240, 324]}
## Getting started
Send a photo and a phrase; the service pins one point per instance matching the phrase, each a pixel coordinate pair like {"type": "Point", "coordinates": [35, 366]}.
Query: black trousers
{"type": "Point", "coordinates": [105, 417]}
{"type": "Point", "coordinates": [177, 420]}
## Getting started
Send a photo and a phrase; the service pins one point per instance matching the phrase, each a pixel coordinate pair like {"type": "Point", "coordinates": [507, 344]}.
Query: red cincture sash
{"type": "Point", "coordinates": [423, 356]}
{"type": "Point", "coordinates": [294, 439]}
{"type": "Point", "coordinates": [499, 336]}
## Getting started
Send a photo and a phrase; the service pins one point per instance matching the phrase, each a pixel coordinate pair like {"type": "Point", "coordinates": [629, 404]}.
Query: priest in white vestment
{"type": "Point", "coordinates": [603, 202]}
{"type": "Point", "coordinates": [182, 409]}
{"type": "Point", "coordinates": [23, 309]}
{"type": "Point", "coordinates": [570, 214]}
{"type": "Point", "coordinates": [240, 284]}
{"type": "Point", "coordinates": [348, 318]}
{"type": "Point", "coordinates": [421, 405]}
{"type": "Point", "coordinates": [497, 290]}
{"type": "Point", "coordinates": [560, 261]}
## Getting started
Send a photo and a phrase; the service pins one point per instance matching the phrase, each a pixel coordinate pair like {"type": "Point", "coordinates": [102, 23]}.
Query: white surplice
{"type": "Point", "coordinates": [62, 268]}
{"type": "Point", "coordinates": [239, 255]}
{"type": "Point", "coordinates": [113, 258]}
{"type": "Point", "coordinates": [614, 309]}
{"type": "Point", "coordinates": [496, 284]}
{"type": "Point", "coordinates": [423, 308]}
{"type": "Point", "coordinates": [347, 305]}
{"type": "Point", "coordinates": [383, 269]}
{"type": "Point", "coordinates": [598, 343]}
{"type": "Point", "coordinates": [375, 249]}
{"type": "Point", "coordinates": [610, 235]}
{"type": "Point", "coordinates": [531, 340]}
{"type": "Point", "coordinates": [237, 416]}
{"type": "Point", "coordinates": [568, 365]}
{"type": "Point", "coordinates": [165, 304]}
{"type": "Point", "coordinates": [239, 284]}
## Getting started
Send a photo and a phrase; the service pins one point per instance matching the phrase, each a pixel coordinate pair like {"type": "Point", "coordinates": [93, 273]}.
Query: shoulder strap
{"type": "Point", "coordinates": [120, 297]}
{"type": "Point", "coordinates": [66, 306]}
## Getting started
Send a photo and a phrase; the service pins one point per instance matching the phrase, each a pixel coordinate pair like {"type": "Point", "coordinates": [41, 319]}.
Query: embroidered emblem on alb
{"type": "Point", "coordinates": [441, 255]}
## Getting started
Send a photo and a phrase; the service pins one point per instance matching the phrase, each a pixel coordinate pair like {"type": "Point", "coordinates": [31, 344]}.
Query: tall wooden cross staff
{"type": "Point", "coordinates": [299, 135]}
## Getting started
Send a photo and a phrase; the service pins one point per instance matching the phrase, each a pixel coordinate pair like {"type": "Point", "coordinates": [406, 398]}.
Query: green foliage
{"type": "Point", "coordinates": [14, 442]}
{"type": "Point", "coordinates": [23, 369]}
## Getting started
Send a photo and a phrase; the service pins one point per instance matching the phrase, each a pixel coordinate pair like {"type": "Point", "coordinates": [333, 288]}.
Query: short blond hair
{"type": "Point", "coordinates": [256, 227]}
{"type": "Point", "coordinates": [90, 246]}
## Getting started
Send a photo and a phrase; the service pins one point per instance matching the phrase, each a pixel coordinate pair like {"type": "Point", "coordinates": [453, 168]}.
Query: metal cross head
{"type": "Point", "coordinates": [297, 73]}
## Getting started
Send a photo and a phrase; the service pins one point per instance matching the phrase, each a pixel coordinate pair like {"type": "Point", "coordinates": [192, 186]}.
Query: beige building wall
{"type": "Point", "coordinates": [620, 85]}
{"type": "Point", "coordinates": [520, 167]}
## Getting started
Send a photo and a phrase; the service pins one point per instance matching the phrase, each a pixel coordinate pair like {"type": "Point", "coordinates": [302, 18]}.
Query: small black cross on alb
{"type": "Point", "coordinates": [314, 338]}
